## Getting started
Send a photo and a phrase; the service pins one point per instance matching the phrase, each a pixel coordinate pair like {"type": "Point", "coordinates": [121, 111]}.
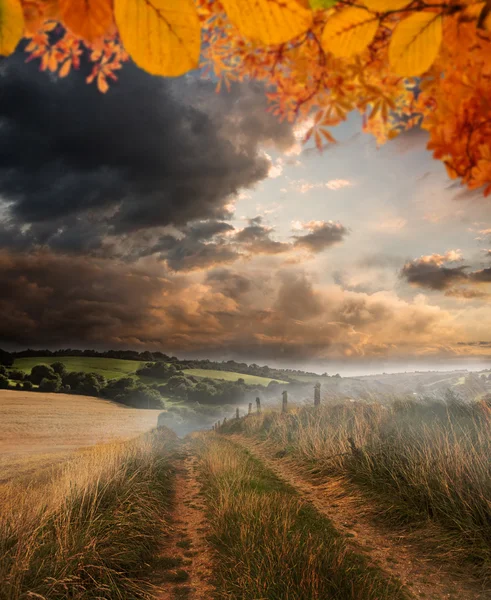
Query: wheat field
{"type": "Point", "coordinates": [39, 430]}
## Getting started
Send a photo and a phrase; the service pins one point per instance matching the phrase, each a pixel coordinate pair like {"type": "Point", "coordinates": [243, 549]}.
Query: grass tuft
{"type": "Point", "coordinates": [90, 532]}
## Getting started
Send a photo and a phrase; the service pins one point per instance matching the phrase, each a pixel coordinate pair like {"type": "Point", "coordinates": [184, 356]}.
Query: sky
{"type": "Point", "coordinates": [165, 216]}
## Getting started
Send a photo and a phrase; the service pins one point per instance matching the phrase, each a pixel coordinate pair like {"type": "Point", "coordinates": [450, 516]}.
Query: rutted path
{"type": "Point", "coordinates": [186, 564]}
{"type": "Point", "coordinates": [393, 551]}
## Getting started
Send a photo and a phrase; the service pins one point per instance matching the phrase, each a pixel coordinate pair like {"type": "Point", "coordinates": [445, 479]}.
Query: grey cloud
{"type": "Point", "coordinates": [142, 156]}
{"type": "Point", "coordinates": [321, 237]}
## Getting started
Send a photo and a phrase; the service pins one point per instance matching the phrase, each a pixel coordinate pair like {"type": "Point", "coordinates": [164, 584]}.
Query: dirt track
{"type": "Point", "coordinates": [394, 552]}
{"type": "Point", "coordinates": [187, 547]}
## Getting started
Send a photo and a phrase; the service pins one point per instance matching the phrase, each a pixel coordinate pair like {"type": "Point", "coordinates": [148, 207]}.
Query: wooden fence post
{"type": "Point", "coordinates": [250, 407]}
{"type": "Point", "coordinates": [258, 405]}
{"type": "Point", "coordinates": [284, 408]}
{"type": "Point", "coordinates": [237, 413]}
{"type": "Point", "coordinates": [317, 394]}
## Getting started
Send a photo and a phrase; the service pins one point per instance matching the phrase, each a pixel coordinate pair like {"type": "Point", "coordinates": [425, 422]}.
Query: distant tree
{"type": "Point", "coordinates": [59, 368]}
{"type": "Point", "coordinates": [40, 372]}
{"type": "Point", "coordinates": [143, 396]}
{"type": "Point", "coordinates": [6, 358]}
{"type": "Point", "coordinates": [50, 385]}
{"type": "Point", "coordinates": [27, 385]}
{"type": "Point", "coordinates": [4, 382]}
{"type": "Point", "coordinates": [3, 371]}
{"type": "Point", "coordinates": [117, 389]}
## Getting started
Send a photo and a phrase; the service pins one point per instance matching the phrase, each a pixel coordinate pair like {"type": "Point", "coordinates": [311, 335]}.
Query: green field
{"type": "Point", "coordinates": [111, 368]}
{"type": "Point", "coordinates": [231, 376]}
{"type": "Point", "coordinates": [114, 368]}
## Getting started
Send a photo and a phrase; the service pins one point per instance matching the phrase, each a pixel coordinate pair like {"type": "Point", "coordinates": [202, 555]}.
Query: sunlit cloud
{"type": "Point", "coordinates": [390, 224]}
{"type": "Point", "coordinates": [303, 186]}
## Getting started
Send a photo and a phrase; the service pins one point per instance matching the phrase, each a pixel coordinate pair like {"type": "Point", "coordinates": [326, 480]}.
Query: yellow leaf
{"type": "Point", "coordinates": [385, 5]}
{"type": "Point", "coordinates": [270, 22]}
{"type": "Point", "coordinates": [88, 19]}
{"type": "Point", "coordinates": [349, 31]}
{"type": "Point", "coordinates": [415, 43]}
{"type": "Point", "coordinates": [161, 36]}
{"type": "Point", "coordinates": [11, 25]}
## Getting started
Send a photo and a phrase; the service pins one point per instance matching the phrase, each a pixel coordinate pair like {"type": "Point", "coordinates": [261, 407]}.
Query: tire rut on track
{"type": "Point", "coordinates": [350, 513]}
{"type": "Point", "coordinates": [187, 544]}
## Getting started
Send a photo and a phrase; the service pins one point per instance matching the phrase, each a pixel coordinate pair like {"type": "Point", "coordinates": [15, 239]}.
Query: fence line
{"type": "Point", "coordinates": [284, 406]}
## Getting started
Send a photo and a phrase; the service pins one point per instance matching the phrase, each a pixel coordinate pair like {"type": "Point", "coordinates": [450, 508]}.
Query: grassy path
{"type": "Point", "coordinates": [185, 565]}
{"type": "Point", "coordinates": [270, 543]}
{"type": "Point", "coordinates": [418, 568]}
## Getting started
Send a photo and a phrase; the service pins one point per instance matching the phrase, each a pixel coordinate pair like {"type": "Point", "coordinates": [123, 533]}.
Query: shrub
{"type": "Point", "coordinates": [3, 371]}
{"type": "Point", "coordinates": [89, 385]}
{"type": "Point", "coordinates": [27, 385]}
{"type": "Point", "coordinates": [50, 385]}
{"type": "Point", "coordinates": [40, 372]}
{"type": "Point", "coordinates": [4, 382]}
{"type": "Point", "coordinates": [59, 368]}
{"type": "Point", "coordinates": [16, 375]}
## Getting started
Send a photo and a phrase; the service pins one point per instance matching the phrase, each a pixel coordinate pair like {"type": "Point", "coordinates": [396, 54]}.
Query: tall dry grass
{"type": "Point", "coordinates": [89, 531]}
{"type": "Point", "coordinates": [272, 545]}
{"type": "Point", "coordinates": [425, 462]}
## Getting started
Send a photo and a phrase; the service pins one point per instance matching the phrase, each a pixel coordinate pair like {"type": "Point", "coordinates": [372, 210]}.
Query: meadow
{"type": "Point", "coordinates": [112, 368]}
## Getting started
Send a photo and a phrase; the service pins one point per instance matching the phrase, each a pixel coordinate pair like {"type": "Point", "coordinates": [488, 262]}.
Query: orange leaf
{"type": "Point", "coordinates": [102, 84]}
{"type": "Point", "coordinates": [65, 69]}
{"type": "Point", "coordinates": [88, 19]}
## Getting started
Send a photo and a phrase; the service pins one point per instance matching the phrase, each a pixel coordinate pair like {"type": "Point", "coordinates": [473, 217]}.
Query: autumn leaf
{"type": "Point", "coordinates": [349, 31]}
{"type": "Point", "coordinates": [415, 43]}
{"type": "Point", "coordinates": [37, 13]}
{"type": "Point", "coordinates": [11, 25]}
{"type": "Point", "coordinates": [162, 36]}
{"type": "Point", "coordinates": [88, 19]}
{"type": "Point", "coordinates": [270, 22]}
{"type": "Point", "coordinates": [484, 21]}
{"type": "Point", "coordinates": [385, 5]}
{"type": "Point", "coordinates": [322, 4]}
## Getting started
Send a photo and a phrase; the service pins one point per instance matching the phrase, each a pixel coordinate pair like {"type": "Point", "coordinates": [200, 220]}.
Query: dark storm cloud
{"type": "Point", "coordinates": [432, 275]}
{"type": "Point", "coordinates": [149, 153]}
{"type": "Point", "coordinates": [321, 236]}
{"type": "Point", "coordinates": [54, 299]}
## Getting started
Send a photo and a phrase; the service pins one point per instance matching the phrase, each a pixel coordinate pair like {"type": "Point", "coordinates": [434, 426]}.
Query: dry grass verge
{"type": "Point", "coordinates": [91, 531]}
{"type": "Point", "coordinates": [423, 463]}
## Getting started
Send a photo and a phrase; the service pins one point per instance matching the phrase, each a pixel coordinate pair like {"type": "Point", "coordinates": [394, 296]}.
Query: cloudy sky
{"type": "Point", "coordinates": [164, 216]}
